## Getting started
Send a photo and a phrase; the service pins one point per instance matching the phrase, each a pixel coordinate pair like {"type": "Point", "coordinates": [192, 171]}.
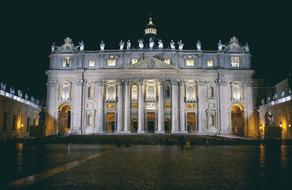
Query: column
{"type": "Point", "coordinates": [182, 107]}
{"type": "Point", "coordinates": [141, 108]}
{"type": "Point", "coordinates": [100, 89]}
{"type": "Point", "coordinates": [224, 99]}
{"type": "Point", "coordinates": [160, 108]}
{"type": "Point", "coordinates": [174, 107]}
{"type": "Point", "coordinates": [52, 114]}
{"type": "Point", "coordinates": [76, 97]}
{"type": "Point", "coordinates": [120, 107]}
{"type": "Point", "coordinates": [202, 107]}
{"type": "Point", "coordinates": [127, 111]}
{"type": "Point", "coordinates": [250, 129]}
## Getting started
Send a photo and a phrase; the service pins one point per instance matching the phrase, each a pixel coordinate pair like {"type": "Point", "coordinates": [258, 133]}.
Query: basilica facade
{"type": "Point", "coordinates": [150, 87]}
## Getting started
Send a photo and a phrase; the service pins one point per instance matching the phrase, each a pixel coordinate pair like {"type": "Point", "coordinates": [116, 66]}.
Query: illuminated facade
{"type": "Point", "coordinates": [17, 113]}
{"type": "Point", "coordinates": [276, 112]}
{"type": "Point", "coordinates": [150, 88]}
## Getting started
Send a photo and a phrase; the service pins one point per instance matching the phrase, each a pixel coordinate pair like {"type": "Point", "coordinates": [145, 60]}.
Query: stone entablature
{"type": "Point", "coordinates": [123, 58]}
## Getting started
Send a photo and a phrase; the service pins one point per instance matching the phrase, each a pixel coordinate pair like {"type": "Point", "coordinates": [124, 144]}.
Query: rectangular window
{"type": "Point", "coordinates": [167, 61]}
{"type": "Point", "coordinates": [167, 105]}
{"type": "Point", "coordinates": [91, 63]}
{"type": "Point", "coordinates": [14, 122]}
{"type": "Point", "coordinates": [134, 105]}
{"type": "Point", "coordinates": [5, 121]}
{"type": "Point", "coordinates": [190, 62]}
{"type": "Point", "coordinates": [67, 62]}
{"type": "Point", "coordinates": [110, 105]}
{"type": "Point", "coordinates": [27, 124]}
{"type": "Point", "coordinates": [133, 61]}
{"type": "Point", "coordinates": [191, 105]}
{"type": "Point", "coordinates": [111, 61]}
{"type": "Point", "coordinates": [210, 63]}
{"type": "Point", "coordinates": [134, 93]}
{"type": "Point", "coordinates": [234, 61]}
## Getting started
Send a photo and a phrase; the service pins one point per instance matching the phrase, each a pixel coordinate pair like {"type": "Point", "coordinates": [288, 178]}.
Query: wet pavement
{"type": "Point", "coordinates": [20, 160]}
{"type": "Point", "coordinates": [154, 167]}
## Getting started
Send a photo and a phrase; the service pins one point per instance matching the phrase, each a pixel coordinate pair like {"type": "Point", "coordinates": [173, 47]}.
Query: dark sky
{"type": "Point", "coordinates": [28, 28]}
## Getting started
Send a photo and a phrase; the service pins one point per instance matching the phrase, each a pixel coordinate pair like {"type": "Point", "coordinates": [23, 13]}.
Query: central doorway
{"type": "Point", "coordinates": [134, 126]}
{"type": "Point", "coordinates": [150, 122]}
{"type": "Point", "coordinates": [110, 122]}
{"type": "Point", "coordinates": [191, 122]}
{"type": "Point", "coordinates": [237, 120]}
{"type": "Point", "coordinates": [167, 127]}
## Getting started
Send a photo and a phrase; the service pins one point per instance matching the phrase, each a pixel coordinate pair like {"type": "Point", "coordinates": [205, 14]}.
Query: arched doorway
{"type": "Point", "coordinates": [191, 122]}
{"type": "Point", "coordinates": [110, 122]}
{"type": "Point", "coordinates": [64, 119]}
{"type": "Point", "coordinates": [237, 120]}
{"type": "Point", "coordinates": [150, 122]}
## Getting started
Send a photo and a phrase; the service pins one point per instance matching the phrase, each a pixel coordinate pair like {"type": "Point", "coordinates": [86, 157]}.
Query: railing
{"type": "Point", "coordinates": [280, 100]}
{"type": "Point", "coordinates": [19, 99]}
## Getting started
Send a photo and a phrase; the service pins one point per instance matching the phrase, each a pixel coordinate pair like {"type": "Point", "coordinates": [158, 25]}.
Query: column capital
{"type": "Point", "coordinates": [120, 82]}
{"type": "Point", "coordinates": [140, 81]}
{"type": "Point", "coordinates": [100, 82]}
{"type": "Point", "coordinates": [174, 81]}
{"type": "Point", "coordinates": [221, 82]}
{"type": "Point", "coordinates": [201, 82]}
{"type": "Point", "coordinates": [126, 81]}
{"type": "Point", "coordinates": [182, 82]}
{"type": "Point", "coordinates": [161, 80]}
{"type": "Point", "coordinates": [52, 83]}
{"type": "Point", "coordinates": [79, 82]}
{"type": "Point", "coordinates": [248, 83]}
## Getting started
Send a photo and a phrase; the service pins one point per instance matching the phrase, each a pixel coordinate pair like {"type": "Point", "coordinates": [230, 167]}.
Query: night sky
{"type": "Point", "coordinates": [28, 28]}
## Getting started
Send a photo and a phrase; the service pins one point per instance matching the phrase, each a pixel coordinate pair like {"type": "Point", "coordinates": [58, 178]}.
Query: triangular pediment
{"type": "Point", "coordinates": [151, 63]}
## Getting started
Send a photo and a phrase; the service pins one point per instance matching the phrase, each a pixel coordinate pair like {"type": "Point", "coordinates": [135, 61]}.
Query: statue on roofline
{"type": "Point", "coordinates": [180, 45]}
{"type": "Point", "coordinates": [128, 44]}
{"type": "Point", "coordinates": [151, 43]}
{"type": "Point", "coordinates": [102, 45]}
{"type": "Point", "coordinates": [160, 44]}
{"type": "Point", "coordinates": [172, 45]}
{"type": "Point", "coordinates": [141, 45]}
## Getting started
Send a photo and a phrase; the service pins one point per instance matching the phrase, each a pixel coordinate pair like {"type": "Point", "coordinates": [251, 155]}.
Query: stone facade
{"type": "Point", "coordinates": [150, 89]}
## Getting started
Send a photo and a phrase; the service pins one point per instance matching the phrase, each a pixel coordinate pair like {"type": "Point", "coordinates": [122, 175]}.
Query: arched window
{"type": "Point", "coordinates": [190, 92]}
{"type": "Point", "coordinates": [150, 92]}
{"type": "Point", "coordinates": [236, 91]}
{"type": "Point", "coordinates": [167, 91]}
{"type": "Point", "coordinates": [65, 90]}
{"type": "Point", "coordinates": [211, 91]}
{"type": "Point", "coordinates": [111, 92]}
{"type": "Point", "coordinates": [213, 119]}
{"type": "Point", "coordinates": [90, 92]}
{"type": "Point", "coordinates": [134, 92]}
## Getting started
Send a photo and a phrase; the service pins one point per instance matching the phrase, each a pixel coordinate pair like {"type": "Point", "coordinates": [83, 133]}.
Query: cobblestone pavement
{"type": "Point", "coordinates": [170, 167]}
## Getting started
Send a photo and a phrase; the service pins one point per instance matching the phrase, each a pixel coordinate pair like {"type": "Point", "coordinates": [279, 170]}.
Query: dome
{"type": "Point", "coordinates": [150, 29]}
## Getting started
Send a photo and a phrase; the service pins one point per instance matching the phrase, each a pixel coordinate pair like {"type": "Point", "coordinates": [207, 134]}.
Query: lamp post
{"type": "Point", "coordinates": [285, 131]}
{"type": "Point", "coordinates": [289, 127]}
{"type": "Point", "coordinates": [262, 131]}
{"type": "Point", "coordinates": [20, 130]}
